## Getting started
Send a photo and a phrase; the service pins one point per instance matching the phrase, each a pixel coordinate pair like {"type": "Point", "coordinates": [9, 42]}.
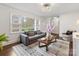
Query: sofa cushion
{"type": "Point", "coordinates": [33, 37]}
{"type": "Point", "coordinates": [31, 33]}
{"type": "Point", "coordinates": [39, 32]}
{"type": "Point", "coordinates": [25, 33]}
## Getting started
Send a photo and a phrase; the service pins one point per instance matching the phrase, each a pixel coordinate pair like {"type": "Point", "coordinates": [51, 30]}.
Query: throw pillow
{"type": "Point", "coordinates": [31, 33]}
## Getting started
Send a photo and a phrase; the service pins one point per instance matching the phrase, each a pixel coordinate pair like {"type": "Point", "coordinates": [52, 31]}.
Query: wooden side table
{"type": "Point", "coordinates": [70, 40]}
{"type": "Point", "coordinates": [66, 37]}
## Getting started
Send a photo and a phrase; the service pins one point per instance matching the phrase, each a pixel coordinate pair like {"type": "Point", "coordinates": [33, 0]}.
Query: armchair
{"type": "Point", "coordinates": [47, 41]}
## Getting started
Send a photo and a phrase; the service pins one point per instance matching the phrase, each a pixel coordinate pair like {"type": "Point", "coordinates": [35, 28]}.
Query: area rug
{"type": "Point", "coordinates": [59, 48]}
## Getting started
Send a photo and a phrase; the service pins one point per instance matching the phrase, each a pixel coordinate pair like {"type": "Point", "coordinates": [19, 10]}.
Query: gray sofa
{"type": "Point", "coordinates": [30, 37]}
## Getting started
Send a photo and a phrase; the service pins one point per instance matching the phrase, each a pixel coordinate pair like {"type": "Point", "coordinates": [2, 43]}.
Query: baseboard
{"type": "Point", "coordinates": [10, 42]}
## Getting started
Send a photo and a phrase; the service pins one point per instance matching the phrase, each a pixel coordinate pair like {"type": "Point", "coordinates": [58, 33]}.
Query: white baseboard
{"type": "Point", "coordinates": [10, 42]}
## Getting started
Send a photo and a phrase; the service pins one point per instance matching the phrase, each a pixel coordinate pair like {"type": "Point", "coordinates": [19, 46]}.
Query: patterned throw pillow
{"type": "Point", "coordinates": [39, 32]}
{"type": "Point", "coordinates": [31, 33]}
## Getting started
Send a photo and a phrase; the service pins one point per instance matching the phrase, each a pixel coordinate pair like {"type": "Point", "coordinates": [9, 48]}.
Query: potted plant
{"type": "Point", "coordinates": [3, 37]}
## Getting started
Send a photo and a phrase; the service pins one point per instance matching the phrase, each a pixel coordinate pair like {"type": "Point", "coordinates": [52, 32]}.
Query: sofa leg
{"type": "Point", "coordinates": [46, 47]}
{"type": "Point", "coordinates": [39, 44]}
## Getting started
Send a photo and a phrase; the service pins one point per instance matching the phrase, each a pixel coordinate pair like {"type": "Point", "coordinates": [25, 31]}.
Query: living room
{"type": "Point", "coordinates": [40, 20]}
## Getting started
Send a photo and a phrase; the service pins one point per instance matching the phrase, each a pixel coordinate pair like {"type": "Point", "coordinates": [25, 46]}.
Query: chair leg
{"type": "Point", "coordinates": [39, 44]}
{"type": "Point", "coordinates": [46, 47]}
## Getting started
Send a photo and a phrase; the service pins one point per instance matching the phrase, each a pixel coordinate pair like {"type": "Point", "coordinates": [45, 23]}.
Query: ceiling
{"type": "Point", "coordinates": [35, 8]}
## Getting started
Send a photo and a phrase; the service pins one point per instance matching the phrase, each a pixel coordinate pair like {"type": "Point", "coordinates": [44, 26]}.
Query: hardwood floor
{"type": "Point", "coordinates": [8, 51]}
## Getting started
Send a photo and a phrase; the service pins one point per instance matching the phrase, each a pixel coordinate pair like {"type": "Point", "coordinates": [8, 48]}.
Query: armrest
{"type": "Point", "coordinates": [23, 35]}
{"type": "Point", "coordinates": [24, 39]}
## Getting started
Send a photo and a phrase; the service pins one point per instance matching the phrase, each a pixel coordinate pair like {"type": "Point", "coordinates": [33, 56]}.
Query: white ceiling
{"type": "Point", "coordinates": [35, 8]}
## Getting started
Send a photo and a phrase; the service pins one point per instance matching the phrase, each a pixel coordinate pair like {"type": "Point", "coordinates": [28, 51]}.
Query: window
{"type": "Point", "coordinates": [27, 24]}
{"type": "Point", "coordinates": [21, 23]}
{"type": "Point", "coordinates": [15, 24]}
{"type": "Point", "coordinates": [37, 24]}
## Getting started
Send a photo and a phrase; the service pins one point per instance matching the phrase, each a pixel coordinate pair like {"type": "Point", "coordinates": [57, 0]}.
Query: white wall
{"type": "Point", "coordinates": [69, 22]}
{"type": "Point", "coordinates": [44, 23]}
{"type": "Point", "coordinates": [56, 25]}
{"type": "Point", "coordinates": [5, 13]}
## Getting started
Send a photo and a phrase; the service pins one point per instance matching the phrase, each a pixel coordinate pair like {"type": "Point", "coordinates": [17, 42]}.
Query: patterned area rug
{"type": "Point", "coordinates": [59, 48]}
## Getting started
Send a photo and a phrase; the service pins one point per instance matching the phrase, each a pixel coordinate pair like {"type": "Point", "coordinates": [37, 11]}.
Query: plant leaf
{"type": "Point", "coordinates": [3, 37]}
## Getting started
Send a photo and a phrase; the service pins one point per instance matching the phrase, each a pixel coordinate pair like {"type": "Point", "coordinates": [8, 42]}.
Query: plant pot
{"type": "Point", "coordinates": [1, 47]}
